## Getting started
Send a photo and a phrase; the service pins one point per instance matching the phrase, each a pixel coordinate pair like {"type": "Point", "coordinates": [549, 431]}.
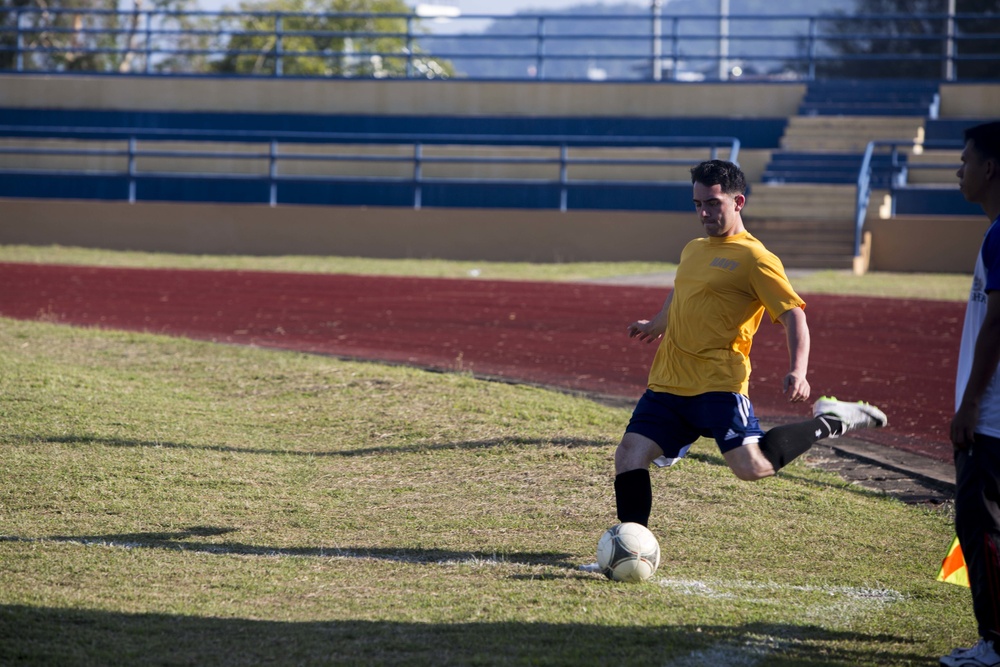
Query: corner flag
{"type": "Point", "coordinates": [953, 569]}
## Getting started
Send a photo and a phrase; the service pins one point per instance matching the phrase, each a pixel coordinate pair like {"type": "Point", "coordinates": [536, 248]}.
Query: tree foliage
{"type": "Point", "coordinates": [55, 35]}
{"type": "Point", "coordinates": [907, 38]}
{"type": "Point", "coordinates": [326, 38]}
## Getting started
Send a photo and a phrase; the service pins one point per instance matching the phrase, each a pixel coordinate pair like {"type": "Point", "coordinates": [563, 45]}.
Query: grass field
{"type": "Point", "coordinates": [172, 502]}
{"type": "Point", "coordinates": [949, 287]}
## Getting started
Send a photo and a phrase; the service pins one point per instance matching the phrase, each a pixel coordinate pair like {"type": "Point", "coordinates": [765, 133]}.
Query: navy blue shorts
{"type": "Point", "coordinates": [675, 422]}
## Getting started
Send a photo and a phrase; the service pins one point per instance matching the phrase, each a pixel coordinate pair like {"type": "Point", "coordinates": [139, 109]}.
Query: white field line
{"type": "Point", "coordinates": [750, 654]}
{"type": "Point", "coordinates": [828, 606]}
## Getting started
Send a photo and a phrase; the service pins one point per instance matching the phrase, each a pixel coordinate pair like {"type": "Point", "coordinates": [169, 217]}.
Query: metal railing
{"type": "Point", "coordinates": [650, 45]}
{"type": "Point", "coordinates": [272, 151]}
{"type": "Point", "coordinates": [897, 176]}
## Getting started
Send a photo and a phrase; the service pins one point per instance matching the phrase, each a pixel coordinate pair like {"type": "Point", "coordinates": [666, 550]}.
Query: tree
{"type": "Point", "coordinates": [979, 37]}
{"type": "Point", "coordinates": [86, 35]}
{"type": "Point", "coordinates": [907, 39]}
{"type": "Point", "coordinates": [326, 38]}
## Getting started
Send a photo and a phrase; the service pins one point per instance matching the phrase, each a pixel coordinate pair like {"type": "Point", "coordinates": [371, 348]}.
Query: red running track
{"type": "Point", "coordinates": [897, 354]}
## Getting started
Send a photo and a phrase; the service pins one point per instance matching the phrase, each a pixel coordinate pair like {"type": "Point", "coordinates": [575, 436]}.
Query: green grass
{"type": "Point", "coordinates": [949, 287]}
{"type": "Point", "coordinates": [172, 502]}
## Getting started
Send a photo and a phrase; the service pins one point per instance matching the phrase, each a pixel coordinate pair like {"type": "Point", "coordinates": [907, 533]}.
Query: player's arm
{"type": "Point", "coordinates": [795, 385]}
{"type": "Point", "coordinates": [650, 330]}
{"type": "Point", "coordinates": [985, 359]}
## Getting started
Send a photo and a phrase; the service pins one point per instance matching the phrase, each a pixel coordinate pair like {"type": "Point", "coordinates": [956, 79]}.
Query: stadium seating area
{"type": "Point", "coordinates": [807, 162]}
{"type": "Point", "coordinates": [871, 98]}
{"type": "Point", "coordinates": [369, 184]}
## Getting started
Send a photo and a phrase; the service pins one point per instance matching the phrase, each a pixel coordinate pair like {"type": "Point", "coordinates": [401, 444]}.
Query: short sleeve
{"type": "Point", "coordinates": [772, 288]}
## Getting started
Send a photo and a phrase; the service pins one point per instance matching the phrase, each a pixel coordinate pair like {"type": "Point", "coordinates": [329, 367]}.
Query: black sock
{"type": "Point", "coordinates": [836, 426]}
{"type": "Point", "coordinates": [783, 444]}
{"type": "Point", "coordinates": [634, 496]}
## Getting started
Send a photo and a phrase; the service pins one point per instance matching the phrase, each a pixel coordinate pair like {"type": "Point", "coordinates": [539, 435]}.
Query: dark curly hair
{"type": "Point", "coordinates": [720, 172]}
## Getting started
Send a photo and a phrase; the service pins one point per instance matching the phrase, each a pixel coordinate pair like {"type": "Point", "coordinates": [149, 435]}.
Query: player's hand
{"type": "Point", "coordinates": [963, 426]}
{"type": "Point", "coordinates": [644, 331]}
{"type": "Point", "coordinates": [796, 388]}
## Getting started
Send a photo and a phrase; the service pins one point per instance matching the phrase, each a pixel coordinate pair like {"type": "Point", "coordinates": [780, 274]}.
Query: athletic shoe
{"type": "Point", "coordinates": [850, 415]}
{"type": "Point", "coordinates": [591, 567]}
{"type": "Point", "coordinates": [981, 655]}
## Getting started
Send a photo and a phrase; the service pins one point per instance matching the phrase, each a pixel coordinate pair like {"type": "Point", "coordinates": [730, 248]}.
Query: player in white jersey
{"type": "Point", "coordinates": [975, 428]}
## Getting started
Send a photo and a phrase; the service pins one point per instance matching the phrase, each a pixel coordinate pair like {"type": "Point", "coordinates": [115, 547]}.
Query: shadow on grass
{"type": "Point", "coordinates": [179, 541]}
{"type": "Point", "coordinates": [786, 474]}
{"type": "Point", "coordinates": [51, 636]}
{"type": "Point", "coordinates": [365, 451]}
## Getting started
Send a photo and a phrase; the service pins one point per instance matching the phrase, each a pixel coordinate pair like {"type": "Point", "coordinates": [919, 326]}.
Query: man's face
{"type": "Point", "coordinates": [718, 212]}
{"type": "Point", "coordinates": [974, 174]}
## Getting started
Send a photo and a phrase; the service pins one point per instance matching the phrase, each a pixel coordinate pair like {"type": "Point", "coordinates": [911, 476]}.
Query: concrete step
{"type": "Point", "coordinates": [840, 123]}
{"type": "Point", "coordinates": [808, 226]}
{"type": "Point", "coordinates": [801, 201]}
{"type": "Point", "coordinates": [847, 133]}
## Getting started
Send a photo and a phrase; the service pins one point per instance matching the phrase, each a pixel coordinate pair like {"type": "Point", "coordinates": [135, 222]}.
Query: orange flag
{"type": "Point", "coordinates": [953, 569]}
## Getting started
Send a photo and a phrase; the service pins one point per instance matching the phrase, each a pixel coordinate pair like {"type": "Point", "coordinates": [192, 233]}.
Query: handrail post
{"type": "Point", "coordinates": [863, 195]}
{"type": "Point", "coordinates": [563, 178]}
{"type": "Point", "coordinates": [131, 169]}
{"type": "Point", "coordinates": [278, 27]}
{"type": "Point", "coordinates": [20, 40]}
{"type": "Point", "coordinates": [409, 47]}
{"type": "Point", "coordinates": [811, 49]}
{"type": "Point", "coordinates": [149, 40]}
{"type": "Point", "coordinates": [675, 51]}
{"type": "Point", "coordinates": [657, 30]}
{"type": "Point", "coordinates": [540, 49]}
{"type": "Point", "coordinates": [734, 150]}
{"type": "Point", "coordinates": [723, 40]}
{"type": "Point", "coordinates": [418, 175]}
{"type": "Point", "coordinates": [272, 172]}
{"type": "Point", "coordinates": [949, 45]}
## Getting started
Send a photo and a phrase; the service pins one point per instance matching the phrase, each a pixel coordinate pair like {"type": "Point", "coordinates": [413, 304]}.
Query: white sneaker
{"type": "Point", "coordinates": [981, 655]}
{"type": "Point", "coordinates": [850, 415]}
{"type": "Point", "coordinates": [591, 567]}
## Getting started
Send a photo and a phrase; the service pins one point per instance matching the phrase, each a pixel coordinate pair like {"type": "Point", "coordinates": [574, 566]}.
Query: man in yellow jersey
{"type": "Point", "coordinates": [699, 378]}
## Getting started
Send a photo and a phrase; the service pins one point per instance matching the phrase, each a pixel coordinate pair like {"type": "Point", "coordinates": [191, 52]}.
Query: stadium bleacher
{"type": "Point", "coordinates": [813, 138]}
{"type": "Point", "coordinates": [367, 187]}
{"type": "Point", "coordinates": [144, 124]}
{"type": "Point", "coordinates": [875, 97]}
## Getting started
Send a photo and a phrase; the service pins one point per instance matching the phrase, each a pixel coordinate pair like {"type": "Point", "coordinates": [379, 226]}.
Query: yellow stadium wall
{"type": "Point", "coordinates": [914, 244]}
{"type": "Point", "coordinates": [452, 97]}
{"type": "Point", "coordinates": [464, 234]}
{"type": "Point", "coordinates": [926, 244]}
{"type": "Point", "coordinates": [970, 100]}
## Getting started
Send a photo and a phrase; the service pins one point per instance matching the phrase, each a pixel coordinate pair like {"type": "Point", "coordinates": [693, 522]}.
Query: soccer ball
{"type": "Point", "coordinates": [628, 552]}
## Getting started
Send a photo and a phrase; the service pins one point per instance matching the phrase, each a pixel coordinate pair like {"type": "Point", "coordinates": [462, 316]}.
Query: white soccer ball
{"type": "Point", "coordinates": [628, 552]}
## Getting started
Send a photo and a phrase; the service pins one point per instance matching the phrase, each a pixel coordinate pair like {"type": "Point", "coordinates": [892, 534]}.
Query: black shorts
{"type": "Point", "coordinates": [675, 422]}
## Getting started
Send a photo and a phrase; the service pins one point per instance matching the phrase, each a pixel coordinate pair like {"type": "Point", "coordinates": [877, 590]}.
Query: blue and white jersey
{"type": "Point", "coordinates": [985, 279]}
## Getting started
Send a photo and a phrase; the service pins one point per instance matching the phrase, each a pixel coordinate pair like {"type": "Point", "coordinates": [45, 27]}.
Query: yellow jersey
{"type": "Point", "coordinates": [722, 288]}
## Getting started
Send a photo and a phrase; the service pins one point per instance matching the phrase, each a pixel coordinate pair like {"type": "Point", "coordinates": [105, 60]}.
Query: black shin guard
{"type": "Point", "coordinates": [634, 496]}
{"type": "Point", "coordinates": [782, 444]}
